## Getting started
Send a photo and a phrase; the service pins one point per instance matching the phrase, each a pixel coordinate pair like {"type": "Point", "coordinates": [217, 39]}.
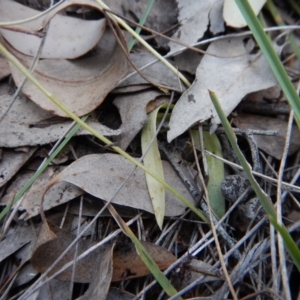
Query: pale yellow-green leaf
{"type": "Point", "coordinates": [216, 171]}
{"type": "Point", "coordinates": [152, 161]}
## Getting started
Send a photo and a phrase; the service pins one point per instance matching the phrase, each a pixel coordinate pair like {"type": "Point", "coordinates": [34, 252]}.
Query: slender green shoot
{"type": "Point", "coordinates": [263, 197]}
{"type": "Point", "coordinates": [145, 256]}
{"type": "Point", "coordinates": [269, 52]}
{"type": "Point", "coordinates": [141, 22]}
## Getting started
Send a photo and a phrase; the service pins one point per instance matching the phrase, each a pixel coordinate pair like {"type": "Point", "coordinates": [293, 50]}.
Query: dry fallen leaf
{"type": "Point", "coordinates": [132, 108]}
{"type": "Point", "coordinates": [188, 61]}
{"type": "Point", "coordinates": [241, 73]}
{"type": "Point", "coordinates": [52, 241]}
{"type": "Point", "coordinates": [273, 145]}
{"type": "Point", "coordinates": [157, 73]}
{"type": "Point", "coordinates": [26, 274]}
{"type": "Point", "coordinates": [31, 203]}
{"type": "Point", "coordinates": [102, 174]}
{"type": "Point", "coordinates": [195, 19]}
{"type": "Point", "coordinates": [69, 31]}
{"type": "Point", "coordinates": [81, 84]}
{"type": "Point", "coordinates": [54, 289]}
{"type": "Point", "coordinates": [4, 68]}
{"type": "Point", "coordinates": [26, 124]}
{"type": "Point", "coordinates": [16, 238]}
{"type": "Point", "coordinates": [10, 163]}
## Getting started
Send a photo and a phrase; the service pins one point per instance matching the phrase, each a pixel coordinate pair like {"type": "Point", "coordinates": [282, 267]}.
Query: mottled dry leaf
{"type": "Point", "coordinates": [273, 145]}
{"type": "Point", "coordinates": [133, 113]}
{"type": "Point", "coordinates": [69, 31]}
{"type": "Point", "coordinates": [102, 174]}
{"type": "Point", "coordinates": [26, 124]}
{"type": "Point", "coordinates": [11, 162]}
{"type": "Point", "coordinates": [194, 17]}
{"type": "Point", "coordinates": [81, 84]}
{"type": "Point", "coordinates": [231, 75]}
{"type": "Point", "coordinates": [31, 203]}
{"type": "Point", "coordinates": [53, 241]}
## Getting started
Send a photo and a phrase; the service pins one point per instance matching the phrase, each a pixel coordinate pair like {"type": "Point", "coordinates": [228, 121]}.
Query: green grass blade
{"type": "Point", "coordinates": [141, 22]}
{"type": "Point", "coordinates": [144, 255]}
{"type": "Point", "coordinates": [263, 197]}
{"type": "Point", "coordinates": [269, 52]}
{"type": "Point", "coordinates": [150, 263]}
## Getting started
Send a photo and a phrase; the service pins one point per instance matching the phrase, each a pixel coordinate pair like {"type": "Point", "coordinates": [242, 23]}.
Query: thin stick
{"type": "Point", "coordinates": [282, 255]}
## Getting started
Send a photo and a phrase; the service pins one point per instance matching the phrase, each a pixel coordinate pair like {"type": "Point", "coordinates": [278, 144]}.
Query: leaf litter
{"type": "Point", "coordinates": [26, 124]}
{"type": "Point", "coordinates": [243, 73]}
{"type": "Point", "coordinates": [54, 240]}
{"type": "Point", "coordinates": [100, 175]}
{"type": "Point", "coordinates": [80, 84]}
{"type": "Point", "coordinates": [73, 40]}
{"type": "Point", "coordinates": [90, 174]}
{"type": "Point", "coordinates": [133, 112]}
